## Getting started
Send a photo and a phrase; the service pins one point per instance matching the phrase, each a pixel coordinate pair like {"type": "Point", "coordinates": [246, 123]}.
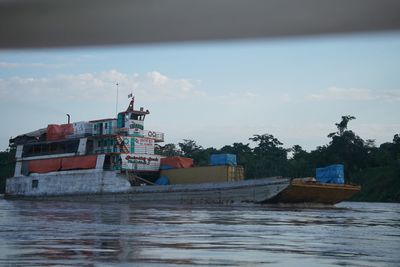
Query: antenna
{"type": "Point", "coordinates": [116, 104]}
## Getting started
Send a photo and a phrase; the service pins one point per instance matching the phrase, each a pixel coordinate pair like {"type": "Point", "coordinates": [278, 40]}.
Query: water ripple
{"type": "Point", "coordinates": [119, 234]}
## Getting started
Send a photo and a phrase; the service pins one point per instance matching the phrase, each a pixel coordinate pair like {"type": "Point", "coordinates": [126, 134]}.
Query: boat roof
{"type": "Point", "coordinates": [131, 109]}
{"type": "Point", "coordinates": [33, 134]}
{"type": "Point", "coordinates": [138, 112]}
{"type": "Point", "coordinates": [109, 119]}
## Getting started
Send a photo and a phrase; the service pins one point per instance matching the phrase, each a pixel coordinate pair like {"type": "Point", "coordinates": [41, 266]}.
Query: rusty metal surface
{"type": "Point", "coordinates": [204, 174]}
{"type": "Point", "coordinates": [316, 193]}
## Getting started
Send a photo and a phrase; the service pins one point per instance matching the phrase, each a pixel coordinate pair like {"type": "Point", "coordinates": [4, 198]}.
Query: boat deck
{"type": "Point", "coordinates": [311, 192]}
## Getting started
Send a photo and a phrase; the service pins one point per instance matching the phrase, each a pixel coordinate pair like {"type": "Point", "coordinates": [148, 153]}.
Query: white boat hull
{"type": "Point", "coordinates": [111, 186]}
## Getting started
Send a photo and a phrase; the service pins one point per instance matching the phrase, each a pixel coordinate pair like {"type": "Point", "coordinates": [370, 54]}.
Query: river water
{"type": "Point", "coordinates": [56, 233]}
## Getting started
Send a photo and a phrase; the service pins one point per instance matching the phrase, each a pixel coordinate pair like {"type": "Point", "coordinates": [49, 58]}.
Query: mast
{"type": "Point", "coordinates": [116, 104]}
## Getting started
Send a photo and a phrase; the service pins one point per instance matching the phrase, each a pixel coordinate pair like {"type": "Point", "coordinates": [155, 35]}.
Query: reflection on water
{"type": "Point", "coordinates": [119, 234]}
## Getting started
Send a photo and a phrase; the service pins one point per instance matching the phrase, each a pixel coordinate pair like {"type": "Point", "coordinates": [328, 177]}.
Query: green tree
{"type": "Point", "coordinates": [396, 148]}
{"type": "Point", "coordinates": [300, 164]}
{"type": "Point", "coordinates": [7, 166]}
{"type": "Point", "coordinates": [346, 147]}
{"type": "Point", "coordinates": [168, 150]}
{"type": "Point", "coordinates": [192, 150]}
{"type": "Point", "coordinates": [342, 126]}
{"type": "Point", "coordinates": [270, 157]}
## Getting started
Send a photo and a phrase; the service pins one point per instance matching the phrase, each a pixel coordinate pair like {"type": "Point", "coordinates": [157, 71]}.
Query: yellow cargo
{"type": "Point", "coordinates": [207, 174]}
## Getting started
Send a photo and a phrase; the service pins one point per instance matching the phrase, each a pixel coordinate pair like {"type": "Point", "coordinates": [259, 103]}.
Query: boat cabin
{"type": "Point", "coordinates": [122, 142]}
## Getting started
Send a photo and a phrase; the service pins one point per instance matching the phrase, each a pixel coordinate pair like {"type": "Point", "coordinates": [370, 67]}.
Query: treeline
{"type": "Point", "coordinates": [377, 169]}
{"type": "Point", "coordinates": [7, 167]}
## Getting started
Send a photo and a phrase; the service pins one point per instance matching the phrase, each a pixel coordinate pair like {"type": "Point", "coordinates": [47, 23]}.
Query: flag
{"type": "Point", "coordinates": [130, 95]}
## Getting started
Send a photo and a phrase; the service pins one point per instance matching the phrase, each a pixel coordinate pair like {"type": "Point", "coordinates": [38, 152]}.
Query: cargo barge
{"type": "Point", "coordinates": [312, 192]}
{"type": "Point", "coordinates": [114, 159]}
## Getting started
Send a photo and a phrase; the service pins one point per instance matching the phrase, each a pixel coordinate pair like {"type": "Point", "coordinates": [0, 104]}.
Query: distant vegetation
{"type": "Point", "coordinates": [7, 166]}
{"type": "Point", "coordinates": [377, 169]}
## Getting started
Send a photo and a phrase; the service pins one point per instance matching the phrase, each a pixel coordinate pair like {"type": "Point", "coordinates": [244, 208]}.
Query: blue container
{"type": "Point", "coordinates": [223, 159]}
{"type": "Point", "coordinates": [333, 174]}
{"type": "Point", "coordinates": [163, 180]}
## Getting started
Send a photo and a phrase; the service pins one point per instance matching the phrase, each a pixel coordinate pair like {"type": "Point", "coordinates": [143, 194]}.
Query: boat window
{"type": "Point", "coordinates": [45, 148]}
{"type": "Point", "coordinates": [120, 121]}
{"type": "Point", "coordinates": [62, 147]}
{"type": "Point", "coordinates": [53, 147]}
{"type": "Point", "coordinates": [35, 183]}
{"type": "Point", "coordinates": [134, 116]}
{"type": "Point", "coordinates": [57, 147]}
{"type": "Point", "coordinates": [101, 128]}
{"type": "Point", "coordinates": [105, 125]}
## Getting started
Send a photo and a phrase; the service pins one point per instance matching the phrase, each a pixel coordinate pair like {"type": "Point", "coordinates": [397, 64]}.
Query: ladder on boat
{"type": "Point", "coordinates": [136, 180]}
{"type": "Point", "coordinates": [122, 145]}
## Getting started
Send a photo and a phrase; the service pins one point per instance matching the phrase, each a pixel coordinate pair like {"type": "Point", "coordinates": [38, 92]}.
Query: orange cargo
{"type": "Point", "coordinates": [177, 162]}
{"type": "Point", "coordinates": [58, 132]}
{"type": "Point", "coordinates": [44, 165]}
{"type": "Point", "coordinates": [73, 163]}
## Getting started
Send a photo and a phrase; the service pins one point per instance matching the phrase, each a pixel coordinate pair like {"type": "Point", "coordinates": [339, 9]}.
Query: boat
{"type": "Point", "coordinates": [114, 159]}
{"type": "Point", "coordinates": [304, 190]}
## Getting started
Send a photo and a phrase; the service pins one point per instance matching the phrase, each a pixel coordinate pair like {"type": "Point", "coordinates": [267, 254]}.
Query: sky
{"type": "Point", "coordinates": [215, 93]}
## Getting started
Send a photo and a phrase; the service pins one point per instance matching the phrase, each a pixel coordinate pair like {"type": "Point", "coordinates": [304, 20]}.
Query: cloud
{"type": "Point", "coordinates": [157, 78]}
{"type": "Point", "coordinates": [152, 86]}
{"type": "Point", "coordinates": [157, 86]}
{"type": "Point", "coordinates": [355, 94]}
